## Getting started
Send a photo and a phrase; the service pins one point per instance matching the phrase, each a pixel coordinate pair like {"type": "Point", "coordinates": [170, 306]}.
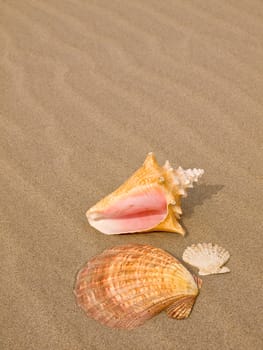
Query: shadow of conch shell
{"type": "Point", "coordinates": [199, 195]}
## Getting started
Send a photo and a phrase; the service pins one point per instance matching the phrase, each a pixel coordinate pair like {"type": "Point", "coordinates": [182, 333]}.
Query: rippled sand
{"type": "Point", "coordinates": [87, 89]}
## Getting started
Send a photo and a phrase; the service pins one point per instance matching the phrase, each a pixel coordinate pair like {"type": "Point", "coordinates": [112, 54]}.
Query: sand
{"type": "Point", "coordinates": [87, 89]}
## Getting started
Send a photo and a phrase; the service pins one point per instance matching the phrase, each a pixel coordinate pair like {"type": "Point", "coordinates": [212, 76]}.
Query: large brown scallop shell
{"type": "Point", "coordinates": [127, 285]}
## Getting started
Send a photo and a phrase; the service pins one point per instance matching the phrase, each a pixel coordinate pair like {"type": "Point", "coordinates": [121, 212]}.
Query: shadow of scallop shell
{"type": "Point", "coordinates": [208, 258]}
{"type": "Point", "coordinates": [125, 286]}
{"type": "Point", "coordinates": [150, 200]}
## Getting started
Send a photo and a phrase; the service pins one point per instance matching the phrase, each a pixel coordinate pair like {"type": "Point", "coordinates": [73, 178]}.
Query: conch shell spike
{"type": "Point", "coordinates": [161, 179]}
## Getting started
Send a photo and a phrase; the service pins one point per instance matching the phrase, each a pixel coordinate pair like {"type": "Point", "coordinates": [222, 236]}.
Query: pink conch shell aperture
{"type": "Point", "coordinates": [125, 286]}
{"type": "Point", "coordinates": [208, 258]}
{"type": "Point", "coordinates": [150, 200]}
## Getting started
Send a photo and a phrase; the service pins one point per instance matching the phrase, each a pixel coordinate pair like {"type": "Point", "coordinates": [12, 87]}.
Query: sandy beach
{"type": "Point", "coordinates": [87, 89]}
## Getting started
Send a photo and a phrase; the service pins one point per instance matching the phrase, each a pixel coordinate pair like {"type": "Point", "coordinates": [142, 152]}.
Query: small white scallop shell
{"type": "Point", "coordinates": [208, 258]}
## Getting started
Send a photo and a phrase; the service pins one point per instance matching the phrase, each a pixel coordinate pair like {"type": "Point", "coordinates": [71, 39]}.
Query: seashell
{"type": "Point", "coordinates": [150, 200]}
{"type": "Point", "coordinates": [125, 286]}
{"type": "Point", "coordinates": [208, 258]}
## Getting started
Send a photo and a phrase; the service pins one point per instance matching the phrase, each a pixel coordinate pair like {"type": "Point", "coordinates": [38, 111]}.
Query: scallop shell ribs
{"type": "Point", "coordinates": [150, 200]}
{"type": "Point", "coordinates": [125, 286]}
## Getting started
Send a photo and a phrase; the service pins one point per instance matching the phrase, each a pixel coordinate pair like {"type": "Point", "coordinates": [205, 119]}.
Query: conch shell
{"type": "Point", "coordinates": [208, 258]}
{"type": "Point", "coordinates": [150, 200]}
{"type": "Point", "coordinates": [125, 286]}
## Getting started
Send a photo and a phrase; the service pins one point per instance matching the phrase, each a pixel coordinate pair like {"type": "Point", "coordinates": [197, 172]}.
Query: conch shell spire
{"type": "Point", "coordinates": [150, 200]}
